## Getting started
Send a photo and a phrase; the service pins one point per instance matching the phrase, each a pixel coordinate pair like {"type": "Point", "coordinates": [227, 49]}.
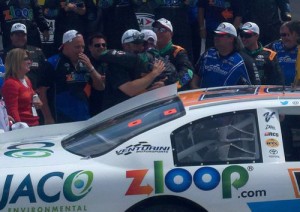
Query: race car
{"type": "Point", "coordinates": [219, 149]}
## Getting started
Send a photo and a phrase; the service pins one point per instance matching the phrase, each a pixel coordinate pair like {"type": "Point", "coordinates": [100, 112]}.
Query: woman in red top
{"type": "Point", "coordinates": [17, 89]}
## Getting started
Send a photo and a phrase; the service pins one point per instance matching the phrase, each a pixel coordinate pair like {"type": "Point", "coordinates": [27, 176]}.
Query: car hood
{"type": "Point", "coordinates": [41, 151]}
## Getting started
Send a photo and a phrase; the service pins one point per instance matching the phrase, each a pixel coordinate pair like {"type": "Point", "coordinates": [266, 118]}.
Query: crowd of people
{"type": "Point", "coordinates": [66, 61]}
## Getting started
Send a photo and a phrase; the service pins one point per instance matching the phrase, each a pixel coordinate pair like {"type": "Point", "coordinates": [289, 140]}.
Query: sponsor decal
{"type": "Point", "coordinates": [271, 134]}
{"type": "Point", "coordinates": [179, 180]}
{"type": "Point", "coordinates": [30, 150]}
{"type": "Point", "coordinates": [143, 147]}
{"type": "Point", "coordinates": [60, 208]}
{"type": "Point", "coordinates": [295, 178]}
{"type": "Point", "coordinates": [73, 187]}
{"type": "Point", "coordinates": [273, 153]}
{"type": "Point", "coordinates": [145, 20]}
{"type": "Point", "coordinates": [284, 102]}
{"type": "Point", "coordinates": [268, 116]}
{"type": "Point", "coordinates": [270, 127]}
{"type": "Point", "coordinates": [18, 13]}
{"type": "Point", "coordinates": [295, 102]}
{"type": "Point", "coordinates": [271, 142]}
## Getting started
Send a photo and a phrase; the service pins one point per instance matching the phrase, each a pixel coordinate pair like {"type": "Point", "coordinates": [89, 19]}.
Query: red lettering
{"type": "Point", "coordinates": [135, 187]}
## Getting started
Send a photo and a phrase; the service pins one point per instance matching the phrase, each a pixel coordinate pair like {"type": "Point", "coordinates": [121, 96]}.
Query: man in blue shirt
{"type": "Point", "coordinates": [224, 65]}
{"type": "Point", "coordinates": [287, 49]}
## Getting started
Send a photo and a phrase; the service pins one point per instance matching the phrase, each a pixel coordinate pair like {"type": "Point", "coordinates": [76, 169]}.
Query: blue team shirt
{"type": "Point", "coordinates": [71, 100]}
{"type": "Point", "coordinates": [218, 71]}
{"type": "Point", "coordinates": [287, 61]}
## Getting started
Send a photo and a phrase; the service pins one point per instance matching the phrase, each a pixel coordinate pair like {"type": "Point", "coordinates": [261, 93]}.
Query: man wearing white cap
{"type": "Point", "coordinates": [70, 76]}
{"type": "Point", "coordinates": [124, 78]}
{"type": "Point", "coordinates": [150, 54]}
{"type": "Point", "coordinates": [132, 41]}
{"type": "Point", "coordinates": [176, 54]}
{"type": "Point", "coordinates": [224, 65]}
{"type": "Point", "coordinates": [27, 12]}
{"type": "Point", "coordinates": [265, 59]}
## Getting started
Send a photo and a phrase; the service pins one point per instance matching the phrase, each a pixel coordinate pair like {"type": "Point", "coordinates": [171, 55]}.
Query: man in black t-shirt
{"type": "Point", "coordinates": [123, 81]}
{"type": "Point", "coordinates": [97, 45]}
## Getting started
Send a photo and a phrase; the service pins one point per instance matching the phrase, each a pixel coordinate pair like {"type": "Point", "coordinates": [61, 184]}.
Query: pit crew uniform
{"type": "Point", "coordinates": [179, 58]}
{"type": "Point", "coordinates": [286, 59]}
{"type": "Point", "coordinates": [176, 11]}
{"type": "Point", "coordinates": [69, 89]}
{"type": "Point", "coordinates": [267, 65]}
{"type": "Point", "coordinates": [233, 69]}
{"type": "Point", "coordinates": [26, 12]}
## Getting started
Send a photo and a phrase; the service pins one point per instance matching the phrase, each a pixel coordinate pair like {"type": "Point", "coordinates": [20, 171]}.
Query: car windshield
{"type": "Point", "coordinates": [105, 136]}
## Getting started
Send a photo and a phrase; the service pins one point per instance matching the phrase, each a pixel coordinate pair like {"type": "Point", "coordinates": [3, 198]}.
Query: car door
{"type": "Point", "coordinates": [236, 160]}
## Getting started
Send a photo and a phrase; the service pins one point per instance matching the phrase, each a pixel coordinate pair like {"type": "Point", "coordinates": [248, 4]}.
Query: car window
{"type": "Point", "coordinates": [105, 136]}
{"type": "Point", "coordinates": [219, 139]}
{"type": "Point", "coordinates": [291, 136]}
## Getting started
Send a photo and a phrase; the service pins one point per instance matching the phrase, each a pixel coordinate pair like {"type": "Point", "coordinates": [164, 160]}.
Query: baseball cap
{"type": "Point", "coordinates": [166, 23]}
{"type": "Point", "coordinates": [149, 34]}
{"type": "Point", "coordinates": [18, 27]}
{"type": "Point", "coordinates": [250, 27]}
{"type": "Point", "coordinates": [226, 28]}
{"type": "Point", "coordinates": [69, 36]}
{"type": "Point", "coordinates": [132, 36]}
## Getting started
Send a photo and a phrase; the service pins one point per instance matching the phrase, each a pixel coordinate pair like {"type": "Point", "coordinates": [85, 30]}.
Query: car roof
{"type": "Point", "coordinates": [233, 94]}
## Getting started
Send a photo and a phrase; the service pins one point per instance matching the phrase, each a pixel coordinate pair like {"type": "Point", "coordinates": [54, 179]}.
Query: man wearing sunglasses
{"type": "Point", "coordinates": [287, 49]}
{"type": "Point", "coordinates": [97, 45]}
{"type": "Point", "coordinates": [265, 59]}
{"type": "Point", "coordinates": [224, 64]}
{"type": "Point", "coordinates": [176, 54]}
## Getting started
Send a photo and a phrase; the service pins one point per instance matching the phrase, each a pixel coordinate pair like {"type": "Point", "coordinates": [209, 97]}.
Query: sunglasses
{"type": "Point", "coordinates": [156, 29]}
{"type": "Point", "coordinates": [284, 34]}
{"type": "Point", "coordinates": [217, 35]}
{"type": "Point", "coordinates": [246, 35]}
{"type": "Point", "coordinates": [98, 45]}
{"type": "Point", "coordinates": [26, 58]}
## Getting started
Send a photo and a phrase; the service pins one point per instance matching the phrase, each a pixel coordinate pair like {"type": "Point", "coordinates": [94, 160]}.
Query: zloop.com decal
{"type": "Point", "coordinates": [169, 179]}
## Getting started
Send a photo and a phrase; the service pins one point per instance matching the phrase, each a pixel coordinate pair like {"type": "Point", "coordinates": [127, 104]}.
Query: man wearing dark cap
{"type": "Point", "coordinates": [176, 54]}
{"type": "Point", "coordinates": [265, 59]}
{"type": "Point", "coordinates": [124, 81]}
{"type": "Point", "coordinates": [224, 65]}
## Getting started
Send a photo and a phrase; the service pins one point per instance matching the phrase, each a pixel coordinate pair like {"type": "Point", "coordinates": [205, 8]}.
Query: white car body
{"type": "Point", "coordinates": [218, 149]}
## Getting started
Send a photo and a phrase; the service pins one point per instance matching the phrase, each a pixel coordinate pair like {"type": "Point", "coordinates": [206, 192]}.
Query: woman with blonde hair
{"type": "Point", "coordinates": [20, 99]}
